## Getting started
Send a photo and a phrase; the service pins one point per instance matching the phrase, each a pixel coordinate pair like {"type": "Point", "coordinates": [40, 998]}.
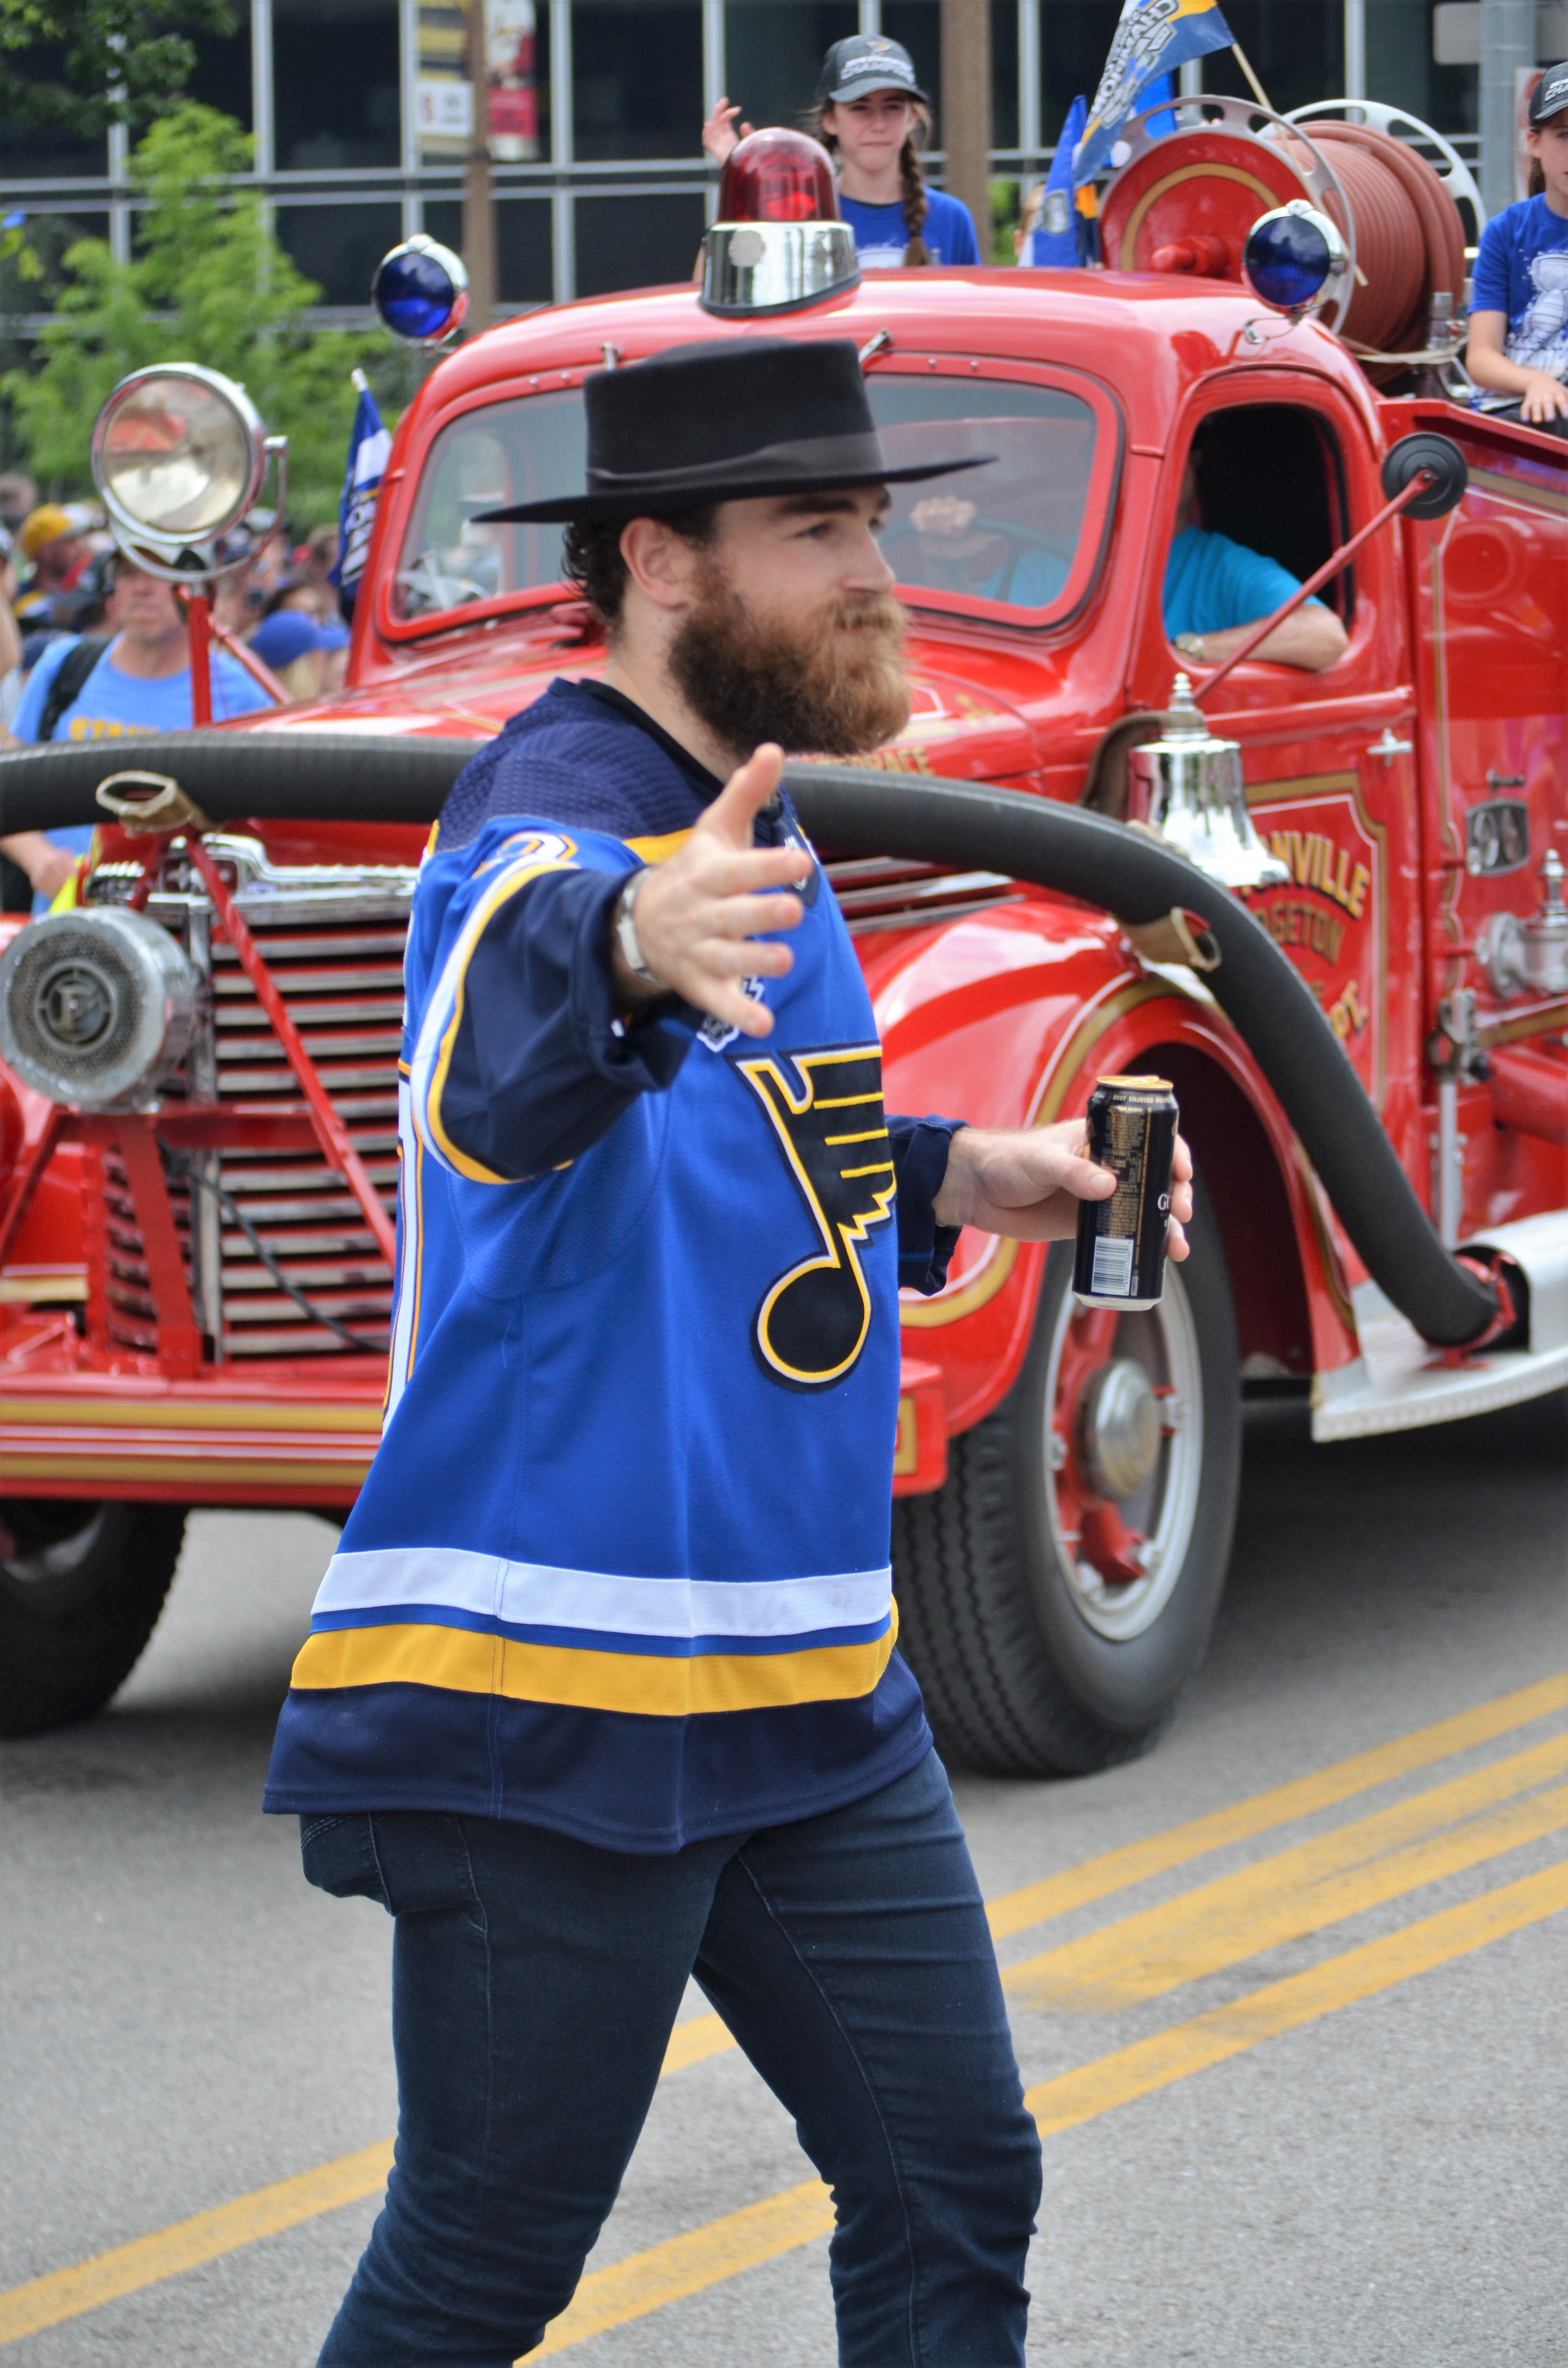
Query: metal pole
{"type": "Point", "coordinates": [408, 80]}
{"type": "Point", "coordinates": [263, 146]}
{"type": "Point", "coordinates": [562, 222]}
{"type": "Point", "coordinates": [713, 75]}
{"type": "Point", "coordinates": [1507, 50]}
{"type": "Point", "coordinates": [119, 212]}
{"type": "Point", "coordinates": [870, 16]}
{"type": "Point", "coordinates": [1354, 48]}
{"type": "Point", "coordinates": [1191, 78]}
{"type": "Point", "coordinates": [479, 197]}
{"type": "Point", "coordinates": [964, 131]}
{"type": "Point", "coordinates": [1029, 80]}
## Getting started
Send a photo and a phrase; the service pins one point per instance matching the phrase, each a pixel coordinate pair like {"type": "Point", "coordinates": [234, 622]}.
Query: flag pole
{"type": "Point", "coordinates": [1244, 62]}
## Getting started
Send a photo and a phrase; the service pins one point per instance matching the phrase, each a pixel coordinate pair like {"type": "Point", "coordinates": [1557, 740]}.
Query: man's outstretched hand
{"type": "Point", "coordinates": [1028, 1183]}
{"type": "Point", "coordinates": [699, 916]}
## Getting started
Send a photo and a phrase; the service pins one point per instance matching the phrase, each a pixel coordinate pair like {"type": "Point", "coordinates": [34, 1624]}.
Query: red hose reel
{"type": "Point", "coordinates": [1182, 204]}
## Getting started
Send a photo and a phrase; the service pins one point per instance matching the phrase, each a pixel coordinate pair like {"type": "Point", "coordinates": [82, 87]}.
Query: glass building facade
{"type": "Point", "coordinates": [608, 186]}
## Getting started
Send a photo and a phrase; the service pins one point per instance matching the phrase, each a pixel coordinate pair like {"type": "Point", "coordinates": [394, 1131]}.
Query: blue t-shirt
{"type": "Point", "coordinates": [1212, 584]}
{"type": "Point", "coordinates": [1521, 269]}
{"type": "Point", "coordinates": [880, 237]}
{"type": "Point", "coordinates": [111, 704]}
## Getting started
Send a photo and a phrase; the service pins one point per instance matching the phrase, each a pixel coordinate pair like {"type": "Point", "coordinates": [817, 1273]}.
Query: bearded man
{"type": "Point", "coordinates": [601, 1692]}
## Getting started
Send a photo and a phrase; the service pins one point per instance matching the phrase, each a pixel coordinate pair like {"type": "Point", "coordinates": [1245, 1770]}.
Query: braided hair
{"type": "Point", "coordinates": [915, 202]}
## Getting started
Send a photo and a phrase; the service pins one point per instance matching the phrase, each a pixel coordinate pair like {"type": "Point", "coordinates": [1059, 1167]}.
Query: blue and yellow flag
{"type": "Point", "coordinates": [1153, 38]}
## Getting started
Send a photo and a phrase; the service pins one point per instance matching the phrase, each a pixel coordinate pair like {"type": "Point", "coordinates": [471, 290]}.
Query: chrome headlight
{"type": "Point", "coordinates": [95, 1009]}
{"type": "Point", "coordinates": [178, 455]}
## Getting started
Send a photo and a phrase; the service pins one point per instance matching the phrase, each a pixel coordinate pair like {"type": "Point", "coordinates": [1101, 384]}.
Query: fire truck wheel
{"type": "Point", "coordinates": [81, 1589]}
{"type": "Point", "coordinates": [1057, 1592]}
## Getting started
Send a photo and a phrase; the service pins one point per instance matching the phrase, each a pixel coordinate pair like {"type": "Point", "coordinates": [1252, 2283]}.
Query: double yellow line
{"type": "Point", "coordinates": [1456, 1826]}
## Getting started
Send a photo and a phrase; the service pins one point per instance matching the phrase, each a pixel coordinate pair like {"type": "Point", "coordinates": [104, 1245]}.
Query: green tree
{"type": "Point", "coordinates": [123, 60]}
{"type": "Point", "coordinates": [209, 284]}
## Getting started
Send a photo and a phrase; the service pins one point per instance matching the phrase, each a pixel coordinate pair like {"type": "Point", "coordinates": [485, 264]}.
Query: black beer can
{"type": "Point", "coordinates": [1120, 1260]}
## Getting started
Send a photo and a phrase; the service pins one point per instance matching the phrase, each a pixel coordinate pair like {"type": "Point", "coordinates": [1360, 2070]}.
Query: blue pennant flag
{"type": "Point", "coordinates": [1054, 239]}
{"type": "Point", "coordinates": [1153, 39]}
{"type": "Point", "coordinates": [368, 447]}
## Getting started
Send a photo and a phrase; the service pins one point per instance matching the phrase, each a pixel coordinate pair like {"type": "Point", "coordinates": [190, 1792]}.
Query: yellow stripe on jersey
{"type": "Point", "coordinates": [657, 850]}
{"type": "Point", "coordinates": [464, 1660]}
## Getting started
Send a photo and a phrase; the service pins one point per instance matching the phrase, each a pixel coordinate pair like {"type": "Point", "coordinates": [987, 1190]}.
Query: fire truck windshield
{"type": "Point", "coordinates": [1003, 536]}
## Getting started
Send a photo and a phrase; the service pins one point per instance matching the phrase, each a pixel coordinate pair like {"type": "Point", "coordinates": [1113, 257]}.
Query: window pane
{"type": "Point", "coordinates": [1402, 70]}
{"type": "Point", "coordinates": [335, 81]}
{"type": "Point", "coordinates": [636, 242]}
{"type": "Point", "coordinates": [42, 153]}
{"type": "Point", "coordinates": [774, 49]}
{"type": "Point", "coordinates": [1296, 49]}
{"type": "Point", "coordinates": [918, 25]}
{"type": "Point", "coordinates": [1075, 42]}
{"type": "Point", "coordinates": [517, 451]}
{"type": "Point", "coordinates": [523, 256]}
{"type": "Point", "coordinates": [221, 76]}
{"type": "Point", "coordinates": [637, 68]}
{"type": "Point", "coordinates": [1004, 73]}
{"type": "Point", "coordinates": [1007, 531]}
{"type": "Point", "coordinates": [339, 246]}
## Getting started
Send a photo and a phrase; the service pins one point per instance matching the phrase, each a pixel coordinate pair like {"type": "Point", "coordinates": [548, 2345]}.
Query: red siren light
{"type": "Point", "coordinates": [777, 175]}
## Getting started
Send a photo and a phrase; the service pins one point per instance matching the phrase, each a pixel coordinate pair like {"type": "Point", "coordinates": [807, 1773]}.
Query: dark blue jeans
{"type": "Point", "coordinates": [535, 1982]}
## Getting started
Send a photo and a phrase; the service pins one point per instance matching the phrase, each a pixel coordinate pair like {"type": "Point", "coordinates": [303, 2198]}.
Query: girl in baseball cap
{"type": "Point", "coordinates": [1518, 310]}
{"type": "Point", "coordinates": [873, 118]}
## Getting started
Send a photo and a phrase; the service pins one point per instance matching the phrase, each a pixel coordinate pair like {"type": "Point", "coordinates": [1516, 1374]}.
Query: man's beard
{"type": "Point", "coordinates": [830, 683]}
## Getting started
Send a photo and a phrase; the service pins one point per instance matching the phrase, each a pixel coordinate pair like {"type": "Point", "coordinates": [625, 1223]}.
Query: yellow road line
{"type": "Point", "coordinates": [705, 2257]}
{"type": "Point", "coordinates": [66, 2293]}
{"type": "Point", "coordinates": [1224, 2031]}
{"type": "Point", "coordinates": [1118, 1869]}
{"type": "Point", "coordinates": [1301, 1890]}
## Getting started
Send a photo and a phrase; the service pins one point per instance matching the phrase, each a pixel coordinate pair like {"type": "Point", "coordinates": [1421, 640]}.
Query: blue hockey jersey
{"type": "Point", "coordinates": [620, 1566]}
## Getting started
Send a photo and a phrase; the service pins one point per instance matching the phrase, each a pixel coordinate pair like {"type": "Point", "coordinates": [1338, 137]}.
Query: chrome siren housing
{"type": "Point", "coordinates": [95, 1008]}
{"type": "Point", "coordinates": [774, 267]}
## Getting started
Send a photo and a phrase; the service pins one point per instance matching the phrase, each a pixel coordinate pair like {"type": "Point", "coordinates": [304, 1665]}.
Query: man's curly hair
{"type": "Point", "coordinates": [591, 556]}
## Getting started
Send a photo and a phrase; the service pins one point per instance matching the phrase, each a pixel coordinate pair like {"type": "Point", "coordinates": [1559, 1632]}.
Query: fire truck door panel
{"type": "Point", "coordinates": [1492, 594]}
{"type": "Point", "coordinates": [1293, 479]}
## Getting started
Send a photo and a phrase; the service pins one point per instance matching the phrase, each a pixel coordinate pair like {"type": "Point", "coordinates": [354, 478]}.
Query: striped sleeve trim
{"type": "Point", "coordinates": [536, 852]}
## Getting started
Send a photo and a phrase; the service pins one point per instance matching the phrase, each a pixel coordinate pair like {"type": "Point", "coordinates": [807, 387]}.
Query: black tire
{"type": "Point", "coordinates": [81, 1588]}
{"type": "Point", "coordinates": [1019, 1678]}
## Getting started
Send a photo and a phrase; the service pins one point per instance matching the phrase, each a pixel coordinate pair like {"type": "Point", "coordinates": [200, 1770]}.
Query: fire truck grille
{"type": "Point", "coordinates": [879, 892]}
{"type": "Point", "coordinates": [341, 985]}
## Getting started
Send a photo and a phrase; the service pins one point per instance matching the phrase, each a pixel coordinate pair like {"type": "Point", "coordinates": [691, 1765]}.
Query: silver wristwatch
{"type": "Point", "coordinates": [626, 935]}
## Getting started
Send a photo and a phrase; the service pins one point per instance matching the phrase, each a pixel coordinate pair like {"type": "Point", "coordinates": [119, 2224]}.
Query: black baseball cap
{"type": "Point", "coordinates": [864, 62]}
{"type": "Point", "coordinates": [1551, 94]}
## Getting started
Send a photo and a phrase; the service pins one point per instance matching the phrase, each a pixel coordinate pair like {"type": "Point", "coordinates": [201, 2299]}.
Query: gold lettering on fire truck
{"type": "Point", "coordinates": [1327, 916]}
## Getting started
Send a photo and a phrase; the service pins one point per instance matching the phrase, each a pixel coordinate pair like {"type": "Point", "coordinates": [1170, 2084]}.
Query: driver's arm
{"type": "Point", "coordinates": [1312, 637]}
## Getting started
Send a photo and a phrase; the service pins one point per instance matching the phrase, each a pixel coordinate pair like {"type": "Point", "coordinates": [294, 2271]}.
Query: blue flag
{"type": "Point", "coordinates": [1054, 239]}
{"type": "Point", "coordinates": [368, 446]}
{"type": "Point", "coordinates": [1153, 38]}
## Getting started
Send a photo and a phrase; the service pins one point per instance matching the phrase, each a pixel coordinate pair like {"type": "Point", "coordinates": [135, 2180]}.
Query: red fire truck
{"type": "Point", "coordinates": [1326, 905]}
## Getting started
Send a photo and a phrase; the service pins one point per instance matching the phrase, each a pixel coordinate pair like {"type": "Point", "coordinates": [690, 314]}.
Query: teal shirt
{"type": "Point", "coordinates": [1212, 584]}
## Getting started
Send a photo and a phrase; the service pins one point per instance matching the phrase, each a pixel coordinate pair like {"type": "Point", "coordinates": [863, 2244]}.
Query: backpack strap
{"type": "Point", "coordinates": [71, 681]}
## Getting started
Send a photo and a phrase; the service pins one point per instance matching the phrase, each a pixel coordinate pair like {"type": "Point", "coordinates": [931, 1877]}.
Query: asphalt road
{"type": "Point", "coordinates": [1351, 2153]}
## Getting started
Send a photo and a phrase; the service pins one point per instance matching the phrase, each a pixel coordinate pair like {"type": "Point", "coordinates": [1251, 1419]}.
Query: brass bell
{"type": "Point", "coordinates": [1188, 787]}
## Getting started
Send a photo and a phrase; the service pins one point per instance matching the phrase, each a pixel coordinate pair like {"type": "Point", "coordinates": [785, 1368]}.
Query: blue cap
{"type": "Point", "coordinates": [291, 633]}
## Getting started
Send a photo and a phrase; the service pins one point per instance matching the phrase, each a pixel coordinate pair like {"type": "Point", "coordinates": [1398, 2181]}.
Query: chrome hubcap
{"type": "Point", "coordinates": [1119, 1428]}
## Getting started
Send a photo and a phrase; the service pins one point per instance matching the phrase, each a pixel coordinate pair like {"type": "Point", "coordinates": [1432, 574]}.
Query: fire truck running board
{"type": "Point", "coordinates": [1399, 1384]}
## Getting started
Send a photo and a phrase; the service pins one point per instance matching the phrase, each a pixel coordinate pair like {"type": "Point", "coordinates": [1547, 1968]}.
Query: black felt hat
{"type": "Point", "coordinates": [732, 419]}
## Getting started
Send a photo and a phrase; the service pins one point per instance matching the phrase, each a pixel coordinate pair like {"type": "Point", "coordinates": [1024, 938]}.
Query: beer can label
{"type": "Point", "coordinates": [1120, 1255]}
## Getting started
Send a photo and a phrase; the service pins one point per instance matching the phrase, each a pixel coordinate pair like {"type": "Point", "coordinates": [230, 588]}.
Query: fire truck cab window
{"type": "Point", "coordinates": [517, 451]}
{"type": "Point", "coordinates": [1006, 533]}
{"type": "Point", "coordinates": [1269, 477]}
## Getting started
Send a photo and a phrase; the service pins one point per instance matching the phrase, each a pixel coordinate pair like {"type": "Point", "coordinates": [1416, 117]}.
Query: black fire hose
{"type": "Point", "coordinates": [381, 778]}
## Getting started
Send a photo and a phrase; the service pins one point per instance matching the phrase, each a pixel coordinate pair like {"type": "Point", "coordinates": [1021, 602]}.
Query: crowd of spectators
{"type": "Point", "coordinates": [94, 647]}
